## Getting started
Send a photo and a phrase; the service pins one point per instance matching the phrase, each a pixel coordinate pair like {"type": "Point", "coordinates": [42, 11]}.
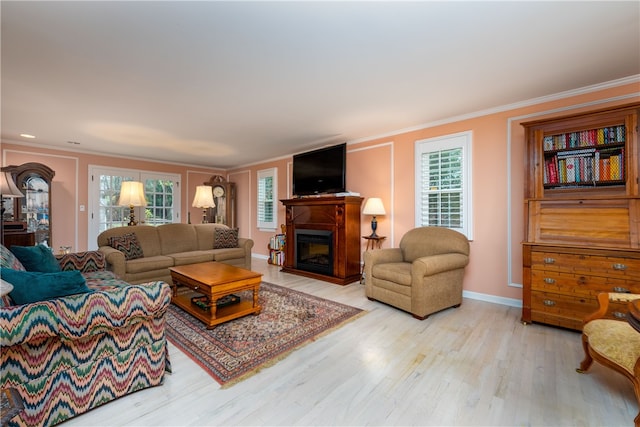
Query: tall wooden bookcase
{"type": "Point", "coordinates": [582, 214]}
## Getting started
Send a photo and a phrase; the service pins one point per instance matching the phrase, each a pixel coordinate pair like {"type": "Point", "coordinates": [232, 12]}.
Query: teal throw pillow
{"type": "Point", "coordinates": [36, 258]}
{"type": "Point", "coordinates": [31, 286]}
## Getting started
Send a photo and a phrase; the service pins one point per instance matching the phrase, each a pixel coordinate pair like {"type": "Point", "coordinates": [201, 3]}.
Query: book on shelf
{"type": "Point", "coordinates": [589, 165]}
{"type": "Point", "coordinates": [585, 138]}
{"type": "Point", "coordinates": [277, 242]}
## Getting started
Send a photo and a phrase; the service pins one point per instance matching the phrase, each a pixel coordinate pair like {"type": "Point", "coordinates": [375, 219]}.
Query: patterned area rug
{"type": "Point", "coordinates": [234, 350]}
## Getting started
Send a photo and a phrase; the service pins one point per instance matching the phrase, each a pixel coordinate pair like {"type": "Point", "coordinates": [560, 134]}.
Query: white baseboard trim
{"type": "Point", "coordinates": [511, 302]}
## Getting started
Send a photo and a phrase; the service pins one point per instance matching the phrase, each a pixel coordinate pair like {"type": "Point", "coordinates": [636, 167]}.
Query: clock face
{"type": "Point", "coordinates": [218, 191]}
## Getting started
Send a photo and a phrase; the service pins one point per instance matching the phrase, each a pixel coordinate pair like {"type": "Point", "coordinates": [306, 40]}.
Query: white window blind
{"type": "Point", "coordinates": [443, 182]}
{"type": "Point", "coordinates": [267, 197]}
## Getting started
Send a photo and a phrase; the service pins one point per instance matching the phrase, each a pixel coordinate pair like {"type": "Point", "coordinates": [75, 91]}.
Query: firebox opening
{"type": "Point", "coordinates": [314, 251]}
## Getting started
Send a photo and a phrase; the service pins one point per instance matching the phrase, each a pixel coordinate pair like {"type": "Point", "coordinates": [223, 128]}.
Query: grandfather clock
{"type": "Point", "coordinates": [224, 196]}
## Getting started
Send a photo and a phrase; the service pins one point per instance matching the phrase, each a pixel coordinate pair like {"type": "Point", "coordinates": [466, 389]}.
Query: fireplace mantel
{"type": "Point", "coordinates": [341, 216]}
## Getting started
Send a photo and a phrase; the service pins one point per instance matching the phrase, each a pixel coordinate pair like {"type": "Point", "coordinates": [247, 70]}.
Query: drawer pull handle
{"type": "Point", "coordinates": [582, 280]}
{"type": "Point", "coordinates": [621, 267]}
{"type": "Point", "coordinates": [549, 303]}
{"type": "Point", "coordinates": [549, 280]}
{"type": "Point", "coordinates": [619, 315]}
{"type": "Point", "coordinates": [621, 290]}
{"type": "Point", "coordinates": [549, 260]}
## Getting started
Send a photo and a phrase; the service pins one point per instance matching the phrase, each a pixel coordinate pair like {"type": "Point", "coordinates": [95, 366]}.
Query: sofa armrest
{"type": "Point", "coordinates": [85, 262]}
{"type": "Point", "coordinates": [115, 260]}
{"type": "Point", "coordinates": [247, 245]}
{"type": "Point", "coordinates": [82, 315]}
{"type": "Point", "coordinates": [434, 264]}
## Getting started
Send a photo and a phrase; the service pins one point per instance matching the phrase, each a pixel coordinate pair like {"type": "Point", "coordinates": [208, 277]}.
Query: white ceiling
{"type": "Point", "coordinates": [224, 84]}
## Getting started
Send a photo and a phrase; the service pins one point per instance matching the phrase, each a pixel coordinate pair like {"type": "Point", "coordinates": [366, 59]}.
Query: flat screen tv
{"type": "Point", "coordinates": [321, 171]}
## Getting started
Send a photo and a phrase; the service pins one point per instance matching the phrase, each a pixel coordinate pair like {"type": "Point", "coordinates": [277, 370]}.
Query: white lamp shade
{"type": "Point", "coordinates": [204, 197]}
{"type": "Point", "coordinates": [374, 206]}
{"type": "Point", "coordinates": [132, 194]}
{"type": "Point", "coordinates": [8, 188]}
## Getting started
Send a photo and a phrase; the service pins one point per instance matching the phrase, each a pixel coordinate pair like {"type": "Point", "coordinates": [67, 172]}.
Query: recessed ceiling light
{"type": "Point", "coordinates": [26, 135]}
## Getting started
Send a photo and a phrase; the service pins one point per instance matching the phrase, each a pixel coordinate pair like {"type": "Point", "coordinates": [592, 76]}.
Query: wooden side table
{"type": "Point", "coordinates": [372, 243]}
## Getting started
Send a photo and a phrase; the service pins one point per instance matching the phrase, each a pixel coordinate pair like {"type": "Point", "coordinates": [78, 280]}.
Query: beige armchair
{"type": "Point", "coordinates": [612, 343]}
{"type": "Point", "coordinates": [423, 275]}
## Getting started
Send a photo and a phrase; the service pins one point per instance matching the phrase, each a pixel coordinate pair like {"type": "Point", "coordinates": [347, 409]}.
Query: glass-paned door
{"type": "Point", "coordinates": [162, 192]}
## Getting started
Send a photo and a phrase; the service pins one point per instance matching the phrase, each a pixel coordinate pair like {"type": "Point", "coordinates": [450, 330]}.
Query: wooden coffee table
{"type": "Point", "coordinates": [214, 280]}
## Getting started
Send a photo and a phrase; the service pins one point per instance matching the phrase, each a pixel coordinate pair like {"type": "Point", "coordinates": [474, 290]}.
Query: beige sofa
{"type": "Point", "coordinates": [169, 245]}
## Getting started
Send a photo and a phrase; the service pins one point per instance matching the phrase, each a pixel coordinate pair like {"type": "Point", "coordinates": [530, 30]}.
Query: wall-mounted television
{"type": "Point", "coordinates": [321, 171]}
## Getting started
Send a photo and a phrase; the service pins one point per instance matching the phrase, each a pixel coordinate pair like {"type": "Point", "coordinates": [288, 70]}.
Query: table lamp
{"type": "Point", "coordinates": [132, 194]}
{"type": "Point", "coordinates": [8, 189]}
{"type": "Point", "coordinates": [374, 207]}
{"type": "Point", "coordinates": [204, 200]}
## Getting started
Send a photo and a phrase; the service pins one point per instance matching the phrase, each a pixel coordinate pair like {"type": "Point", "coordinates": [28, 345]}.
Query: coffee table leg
{"type": "Point", "coordinates": [213, 307]}
{"type": "Point", "coordinates": [255, 298]}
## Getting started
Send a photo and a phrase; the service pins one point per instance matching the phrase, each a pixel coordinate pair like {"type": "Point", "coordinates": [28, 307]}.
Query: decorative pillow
{"type": "Point", "coordinates": [32, 286]}
{"type": "Point", "coordinates": [9, 260]}
{"type": "Point", "coordinates": [225, 238]}
{"type": "Point", "coordinates": [36, 258]}
{"type": "Point", "coordinates": [128, 244]}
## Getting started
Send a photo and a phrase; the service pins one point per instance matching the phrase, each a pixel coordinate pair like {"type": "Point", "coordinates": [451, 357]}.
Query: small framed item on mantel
{"type": "Point", "coordinates": [224, 197]}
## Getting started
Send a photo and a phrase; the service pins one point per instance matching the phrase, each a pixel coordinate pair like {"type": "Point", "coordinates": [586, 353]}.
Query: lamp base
{"type": "Point", "coordinates": [132, 217]}
{"type": "Point", "coordinates": [374, 227]}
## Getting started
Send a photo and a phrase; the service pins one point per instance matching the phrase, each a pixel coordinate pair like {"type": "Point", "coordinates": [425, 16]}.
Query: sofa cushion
{"type": "Point", "coordinates": [192, 257]}
{"type": "Point", "coordinates": [141, 265]}
{"type": "Point", "coordinates": [31, 286]}
{"type": "Point", "coordinates": [397, 272]}
{"type": "Point", "coordinates": [227, 254]}
{"type": "Point", "coordinates": [128, 244]}
{"type": "Point", "coordinates": [9, 260]}
{"type": "Point", "coordinates": [176, 238]}
{"type": "Point", "coordinates": [36, 258]}
{"type": "Point", "coordinates": [206, 234]}
{"type": "Point", "coordinates": [225, 238]}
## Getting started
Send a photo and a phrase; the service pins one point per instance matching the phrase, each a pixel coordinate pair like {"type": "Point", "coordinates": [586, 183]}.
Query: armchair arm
{"type": "Point", "coordinates": [378, 256]}
{"type": "Point", "coordinates": [381, 256]}
{"type": "Point", "coordinates": [115, 260]}
{"type": "Point", "coordinates": [434, 264]}
{"type": "Point", "coordinates": [603, 303]}
{"type": "Point", "coordinates": [85, 262]}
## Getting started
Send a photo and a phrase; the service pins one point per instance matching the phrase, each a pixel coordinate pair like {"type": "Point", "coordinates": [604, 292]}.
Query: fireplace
{"type": "Point", "coordinates": [328, 228]}
{"type": "Point", "coordinates": [314, 251]}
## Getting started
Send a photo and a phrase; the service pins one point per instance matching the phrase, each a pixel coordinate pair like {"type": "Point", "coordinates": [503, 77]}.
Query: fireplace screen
{"type": "Point", "coordinates": [314, 251]}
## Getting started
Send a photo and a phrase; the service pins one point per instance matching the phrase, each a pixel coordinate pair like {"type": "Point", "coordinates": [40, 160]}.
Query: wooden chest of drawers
{"type": "Point", "coordinates": [561, 283]}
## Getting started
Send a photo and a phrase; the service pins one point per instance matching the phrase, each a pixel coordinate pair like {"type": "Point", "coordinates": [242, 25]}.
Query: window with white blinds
{"type": "Point", "coordinates": [267, 197]}
{"type": "Point", "coordinates": [443, 183]}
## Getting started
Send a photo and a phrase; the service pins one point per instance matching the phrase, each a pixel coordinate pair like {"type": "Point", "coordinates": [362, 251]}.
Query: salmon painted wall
{"type": "Point", "coordinates": [69, 189]}
{"type": "Point", "coordinates": [384, 167]}
{"type": "Point", "coordinates": [377, 167]}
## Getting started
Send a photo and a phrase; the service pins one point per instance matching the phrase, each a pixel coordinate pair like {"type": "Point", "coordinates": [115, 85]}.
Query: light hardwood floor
{"type": "Point", "coordinates": [472, 366]}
